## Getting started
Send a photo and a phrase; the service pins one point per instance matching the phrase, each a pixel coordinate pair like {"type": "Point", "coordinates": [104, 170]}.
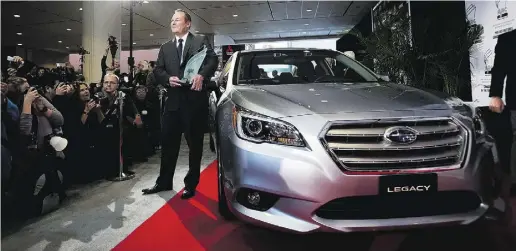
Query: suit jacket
{"type": "Point", "coordinates": [504, 67]}
{"type": "Point", "coordinates": [168, 65]}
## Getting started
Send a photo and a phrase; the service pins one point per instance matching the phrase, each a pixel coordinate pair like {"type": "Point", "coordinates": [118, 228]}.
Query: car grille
{"type": "Point", "coordinates": [399, 205]}
{"type": "Point", "coordinates": [362, 146]}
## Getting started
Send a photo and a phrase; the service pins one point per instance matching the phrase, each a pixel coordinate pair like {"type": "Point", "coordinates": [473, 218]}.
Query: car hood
{"type": "Point", "coordinates": [330, 98]}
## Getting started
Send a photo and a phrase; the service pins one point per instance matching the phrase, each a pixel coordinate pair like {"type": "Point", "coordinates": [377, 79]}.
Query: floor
{"type": "Point", "coordinates": [116, 216]}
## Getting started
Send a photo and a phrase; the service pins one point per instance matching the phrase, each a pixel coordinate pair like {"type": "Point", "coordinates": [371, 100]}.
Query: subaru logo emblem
{"type": "Point", "coordinates": [400, 135]}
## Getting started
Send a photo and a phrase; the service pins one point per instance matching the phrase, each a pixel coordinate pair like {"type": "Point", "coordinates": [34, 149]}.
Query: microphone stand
{"type": "Point", "coordinates": [121, 175]}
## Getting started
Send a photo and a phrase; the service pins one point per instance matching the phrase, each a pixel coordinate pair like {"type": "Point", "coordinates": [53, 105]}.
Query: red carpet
{"type": "Point", "coordinates": [194, 225]}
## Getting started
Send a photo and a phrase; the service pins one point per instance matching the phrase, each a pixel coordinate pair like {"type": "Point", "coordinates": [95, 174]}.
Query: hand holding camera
{"type": "Point", "coordinates": [91, 105]}
{"type": "Point", "coordinates": [31, 96]}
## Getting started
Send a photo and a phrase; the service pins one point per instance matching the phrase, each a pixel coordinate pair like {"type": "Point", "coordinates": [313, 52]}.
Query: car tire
{"type": "Point", "coordinates": [224, 210]}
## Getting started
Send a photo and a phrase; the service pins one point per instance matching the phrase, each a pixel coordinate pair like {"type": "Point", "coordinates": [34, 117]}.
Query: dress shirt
{"type": "Point", "coordinates": [184, 42]}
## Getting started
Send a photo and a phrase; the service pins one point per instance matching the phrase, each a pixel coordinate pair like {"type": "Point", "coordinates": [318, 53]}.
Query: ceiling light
{"type": "Point", "coordinates": [68, 29]}
{"type": "Point", "coordinates": [67, 47]}
{"type": "Point", "coordinates": [235, 15]}
{"type": "Point", "coordinates": [59, 41]}
{"type": "Point", "coordinates": [20, 44]}
{"type": "Point", "coordinates": [145, 1]}
{"type": "Point", "coordinates": [80, 8]}
{"type": "Point", "coordinates": [152, 35]}
{"type": "Point", "coordinates": [307, 24]}
{"type": "Point", "coordinates": [309, 10]}
{"type": "Point", "coordinates": [134, 42]}
{"type": "Point", "coordinates": [19, 33]}
{"type": "Point", "coordinates": [16, 15]}
{"type": "Point", "coordinates": [124, 24]}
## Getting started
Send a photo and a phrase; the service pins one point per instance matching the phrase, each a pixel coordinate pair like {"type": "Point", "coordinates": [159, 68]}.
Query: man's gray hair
{"type": "Point", "coordinates": [114, 75]}
{"type": "Point", "coordinates": [187, 16]}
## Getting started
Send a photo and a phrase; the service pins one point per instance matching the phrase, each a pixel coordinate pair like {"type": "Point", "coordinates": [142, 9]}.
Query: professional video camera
{"type": "Point", "coordinates": [113, 47]}
{"type": "Point", "coordinates": [82, 51]}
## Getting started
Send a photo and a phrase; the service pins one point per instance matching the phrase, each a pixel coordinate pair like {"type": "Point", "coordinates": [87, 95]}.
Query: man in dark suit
{"type": "Point", "coordinates": [186, 108]}
{"type": "Point", "coordinates": [504, 70]}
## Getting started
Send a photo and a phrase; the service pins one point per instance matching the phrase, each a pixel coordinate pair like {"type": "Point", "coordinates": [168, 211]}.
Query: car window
{"type": "Point", "coordinates": [294, 67]}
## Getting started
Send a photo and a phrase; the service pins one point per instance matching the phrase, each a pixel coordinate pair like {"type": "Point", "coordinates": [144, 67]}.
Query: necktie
{"type": "Point", "coordinates": [180, 50]}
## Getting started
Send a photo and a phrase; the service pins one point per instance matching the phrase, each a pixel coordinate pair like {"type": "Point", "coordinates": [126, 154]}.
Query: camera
{"type": "Point", "coordinates": [112, 41]}
{"type": "Point", "coordinates": [99, 98]}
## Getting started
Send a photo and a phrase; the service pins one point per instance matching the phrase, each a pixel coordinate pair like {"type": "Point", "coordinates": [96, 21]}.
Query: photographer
{"type": "Point", "coordinates": [110, 132]}
{"type": "Point", "coordinates": [17, 86]}
{"type": "Point", "coordinates": [82, 122]}
{"type": "Point", "coordinates": [21, 66]}
{"type": "Point", "coordinates": [40, 185]}
{"type": "Point", "coordinates": [115, 66]}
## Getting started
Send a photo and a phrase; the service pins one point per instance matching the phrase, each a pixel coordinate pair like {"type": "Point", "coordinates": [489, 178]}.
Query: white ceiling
{"type": "Point", "coordinates": [43, 24]}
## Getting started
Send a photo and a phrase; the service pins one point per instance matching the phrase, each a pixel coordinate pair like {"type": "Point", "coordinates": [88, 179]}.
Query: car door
{"type": "Point", "coordinates": [216, 94]}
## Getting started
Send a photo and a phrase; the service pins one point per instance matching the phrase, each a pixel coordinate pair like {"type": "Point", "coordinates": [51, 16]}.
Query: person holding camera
{"type": "Point", "coordinates": [19, 66]}
{"type": "Point", "coordinates": [40, 183]}
{"type": "Point", "coordinates": [109, 100]}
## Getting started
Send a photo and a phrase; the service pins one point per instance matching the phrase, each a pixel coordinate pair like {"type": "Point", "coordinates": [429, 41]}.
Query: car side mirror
{"type": "Point", "coordinates": [385, 78]}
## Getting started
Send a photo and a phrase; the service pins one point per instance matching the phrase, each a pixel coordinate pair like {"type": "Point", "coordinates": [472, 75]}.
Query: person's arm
{"type": "Point", "coordinates": [131, 113]}
{"type": "Point", "coordinates": [26, 120]}
{"type": "Point", "coordinates": [160, 72]}
{"type": "Point", "coordinates": [211, 61]}
{"type": "Point", "coordinates": [501, 65]}
{"type": "Point", "coordinates": [53, 115]}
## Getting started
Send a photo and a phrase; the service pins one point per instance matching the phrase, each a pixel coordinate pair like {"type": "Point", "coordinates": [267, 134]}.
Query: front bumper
{"type": "Point", "coordinates": [305, 180]}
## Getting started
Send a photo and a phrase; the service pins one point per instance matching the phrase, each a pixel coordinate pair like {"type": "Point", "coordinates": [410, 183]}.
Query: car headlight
{"type": "Point", "coordinates": [262, 129]}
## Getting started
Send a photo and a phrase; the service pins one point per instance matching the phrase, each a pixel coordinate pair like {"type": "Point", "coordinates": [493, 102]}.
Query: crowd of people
{"type": "Point", "coordinates": [58, 131]}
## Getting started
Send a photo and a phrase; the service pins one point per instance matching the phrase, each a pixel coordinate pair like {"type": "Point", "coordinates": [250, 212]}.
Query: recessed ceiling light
{"type": "Point", "coordinates": [124, 24]}
{"type": "Point", "coordinates": [307, 24]}
{"type": "Point", "coordinates": [19, 33]}
{"type": "Point", "coordinates": [16, 15]}
{"type": "Point", "coordinates": [152, 35]}
{"type": "Point", "coordinates": [235, 15]}
{"type": "Point", "coordinates": [68, 29]}
{"type": "Point", "coordinates": [67, 47]}
{"type": "Point", "coordinates": [245, 28]}
{"type": "Point", "coordinates": [20, 44]}
{"type": "Point", "coordinates": [308, 10]}
{"type": "Point", "coordinates": [59, 41]}
{"type": "Point", "coordinates": [145, 1]}
{"type": "Point", "coordinates": [134, 42]}
{"type": "Point", "coordinates": [80, 8]}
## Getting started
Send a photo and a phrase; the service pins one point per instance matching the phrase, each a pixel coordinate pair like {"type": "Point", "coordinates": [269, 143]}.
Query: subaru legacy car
{"type": "Point", "coordinates": [311, 140]}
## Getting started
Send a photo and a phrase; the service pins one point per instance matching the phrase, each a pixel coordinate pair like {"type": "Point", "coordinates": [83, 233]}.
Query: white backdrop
{"type": "Point", "coordinates": [497, 17]}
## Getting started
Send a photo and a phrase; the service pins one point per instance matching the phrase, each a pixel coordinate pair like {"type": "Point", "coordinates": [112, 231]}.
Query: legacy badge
{"type": "Point", "coordinates": [396, 189]}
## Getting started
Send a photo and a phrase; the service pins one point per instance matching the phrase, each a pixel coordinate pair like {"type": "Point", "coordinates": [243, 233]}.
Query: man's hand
{"type": "Point", "coordinates": [138, 121]}
{"type": "Point", "coordinates": [496, 104]}
{"type": "Point", "coordinates": [61, 90]}
{"type": "Point", "coordinates": [197, 82]}
{"type": "Point", "coordinates": [31, 95]}
{"type": "Point", "coordinates": [173, 81]}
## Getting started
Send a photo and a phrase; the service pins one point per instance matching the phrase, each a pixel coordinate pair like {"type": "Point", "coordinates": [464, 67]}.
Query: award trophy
{"type": "Point", "coordinates": [192, 67]}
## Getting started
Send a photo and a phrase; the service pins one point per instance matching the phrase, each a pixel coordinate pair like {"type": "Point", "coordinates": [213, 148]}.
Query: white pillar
{"type": "Point", "coordinates": [100, 20]}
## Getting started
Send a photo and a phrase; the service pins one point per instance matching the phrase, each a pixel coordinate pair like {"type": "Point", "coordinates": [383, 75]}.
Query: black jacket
{"type": "Point", "coordinates": [505, 66]}
{"type": "Point", "coordinates": [168, 65]}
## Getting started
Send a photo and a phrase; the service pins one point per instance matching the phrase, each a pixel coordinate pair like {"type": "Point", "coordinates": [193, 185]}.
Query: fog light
{"type": "Point", "coordinates": [256, 200]}
{"type": "Point", "coordinates": [253, 198]}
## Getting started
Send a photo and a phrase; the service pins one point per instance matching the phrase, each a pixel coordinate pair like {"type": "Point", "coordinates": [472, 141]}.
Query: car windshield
{"type": "Point", "coordinates": [299, 66]}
